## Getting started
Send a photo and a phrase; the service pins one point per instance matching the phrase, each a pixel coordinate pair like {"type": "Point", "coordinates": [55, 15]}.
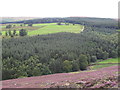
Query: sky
{"type": "Point", "coordinates": [59, 8]}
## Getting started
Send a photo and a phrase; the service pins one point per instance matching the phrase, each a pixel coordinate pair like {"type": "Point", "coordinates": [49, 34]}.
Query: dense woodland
{"type": "Point", "coordinates": [61, 52]}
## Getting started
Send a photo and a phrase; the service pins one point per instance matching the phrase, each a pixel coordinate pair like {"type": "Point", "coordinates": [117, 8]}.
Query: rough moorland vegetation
{"type": "Point", "coordinates": [104, 79]}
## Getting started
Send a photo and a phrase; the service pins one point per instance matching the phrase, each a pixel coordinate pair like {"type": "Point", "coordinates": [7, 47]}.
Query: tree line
{"type": "Point", "coordinates": [12, 33]}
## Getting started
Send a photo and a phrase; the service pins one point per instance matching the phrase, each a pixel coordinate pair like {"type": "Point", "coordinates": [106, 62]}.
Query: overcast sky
{"type": "Point", "coordinates": [59, 8]}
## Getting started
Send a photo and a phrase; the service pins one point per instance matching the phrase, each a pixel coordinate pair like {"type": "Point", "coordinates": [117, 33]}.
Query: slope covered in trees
{"type": "Point", "coordinates": [60, 52]}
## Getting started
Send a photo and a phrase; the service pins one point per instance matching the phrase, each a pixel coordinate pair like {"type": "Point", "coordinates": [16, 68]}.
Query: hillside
{"type": "Point", "coordinates": [102, 78]}
{"type": "Point", "coordinates": [82, 51]}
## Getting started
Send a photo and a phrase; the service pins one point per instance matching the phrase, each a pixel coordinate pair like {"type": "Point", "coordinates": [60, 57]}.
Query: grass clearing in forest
{"type": "Point", "coordinates": [101, 66]}
{"type": "Point", "coordinates": [53, 28]}
{"type": "Point", "coordinates": [105, 63]}
{"type": "Point", "coordinates": [111, 60]}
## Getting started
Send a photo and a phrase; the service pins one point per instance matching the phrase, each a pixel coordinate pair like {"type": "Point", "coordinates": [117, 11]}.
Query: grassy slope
{"type": "Point", "coordinates": [112, 60]}
{"type": "Point", "coordinates": [118, 30]}
{"type": "Point", "coordinates": [52, 28]}
{"type": "Point", "coordinates": [42, 24]}
{"type": "Point", "coordinates": [101, 66]}
{"type": "Point", "coordinates": [105, 63]}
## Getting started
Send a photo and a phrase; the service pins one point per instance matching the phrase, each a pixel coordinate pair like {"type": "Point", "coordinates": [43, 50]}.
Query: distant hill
{"type": "Point", "coordinates": [12, 19]}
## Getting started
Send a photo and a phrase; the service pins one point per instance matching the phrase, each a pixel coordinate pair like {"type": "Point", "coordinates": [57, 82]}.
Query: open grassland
{"type": "Point", "coordinates": [112, 60]}
{"type": "Point", "coordinates": [53, 28]}
{"type": "Point", "coordinates": [45, 28]}
{"type": "Point", "coordinates": [101, 66]}
{"type": "Point", "coordinates": [105, 63]}
{"type": "Point", "coordinates": [44, 24]}
{"type": "Point", "coordinates": [118, 30]}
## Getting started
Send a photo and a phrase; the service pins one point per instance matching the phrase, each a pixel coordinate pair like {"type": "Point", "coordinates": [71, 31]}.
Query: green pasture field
{"type": "Point", "coordinates": [45, 28]}
{"type": "Point", "coordinates": [53, 28]}
{"type": "Point", "coordinates": [112, 60]}
{"type": "Point", "coordinates": [44, 24]}
{"type": "Point", "coordinates": [105, 63]}
{"type": "Point", "coordinates": [101, 66]}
